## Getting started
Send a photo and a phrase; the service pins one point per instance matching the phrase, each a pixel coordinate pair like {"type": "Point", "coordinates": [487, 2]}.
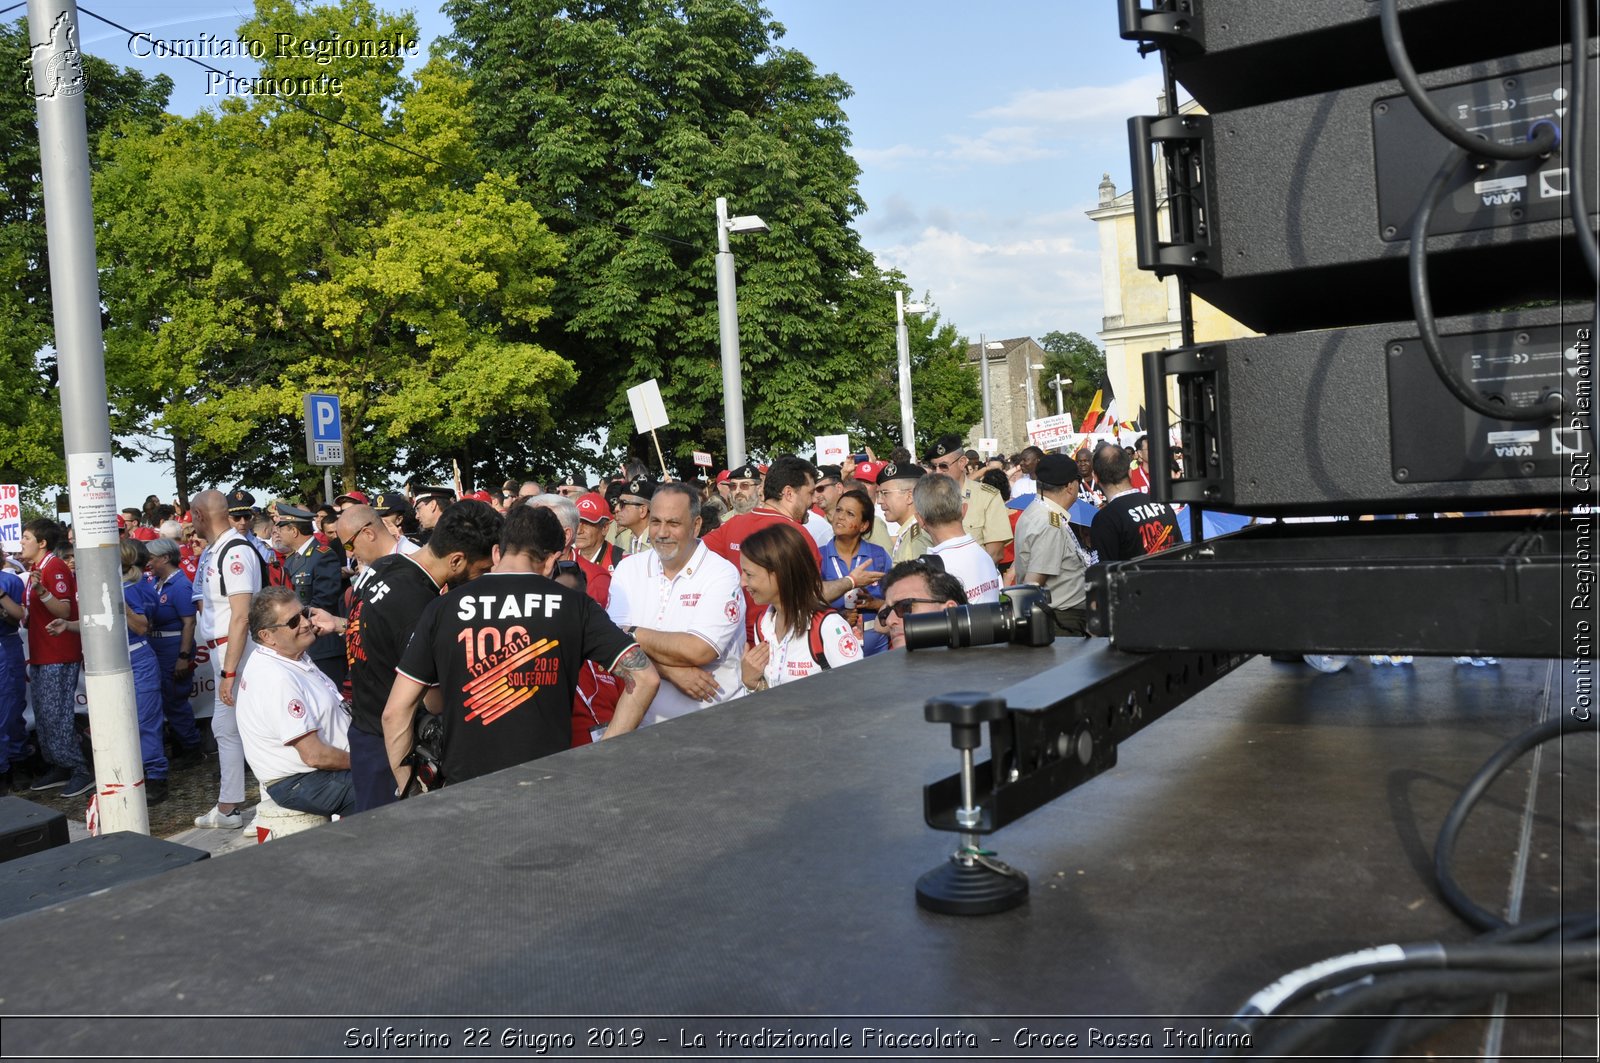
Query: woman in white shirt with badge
{"type": "Point", "coordinates": [797, 633]}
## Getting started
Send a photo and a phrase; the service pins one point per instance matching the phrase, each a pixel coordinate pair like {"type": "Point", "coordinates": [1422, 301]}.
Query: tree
{"type": "Point", "coordinates": [117, 103]}
{"type": "Point", "coordinates": [1075, 356]}
{"type": "Point", "coordinates": [625, 120]}
{"type": "Point", "coordinates": [269, 250]}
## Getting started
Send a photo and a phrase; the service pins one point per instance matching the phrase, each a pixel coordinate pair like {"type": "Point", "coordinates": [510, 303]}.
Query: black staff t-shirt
{"type": "Point", "coordinates": [1131, 525]}
{"type": "Point", "coordinates": [387, 603]}
{"type": "Point", "coordinates": [506, 650]}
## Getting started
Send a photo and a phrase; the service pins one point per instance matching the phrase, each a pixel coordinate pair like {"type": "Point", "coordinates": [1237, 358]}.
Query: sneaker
{"type": "Point", "coordinates": [80, 783]}
{"type": "Point", "coordinates": [51, 779]}
{"type": "Point", "coordinates": [220, 820]}
{"type": "Point", "coordinates": [155, 792]}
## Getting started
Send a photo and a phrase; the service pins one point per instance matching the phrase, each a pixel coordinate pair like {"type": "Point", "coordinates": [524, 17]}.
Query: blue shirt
{"type": "Point", "coordinates": [174, 600]}
{"type": "Point", "coordinates": [11, 585]}
{"type": "Point", "coordinates": [835, 566]}
{"type": "Point", "coordinates": [141, 598]}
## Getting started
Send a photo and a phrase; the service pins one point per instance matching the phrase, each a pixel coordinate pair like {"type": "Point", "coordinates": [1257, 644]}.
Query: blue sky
{"type": "Point", "coordinates": [982, 132]}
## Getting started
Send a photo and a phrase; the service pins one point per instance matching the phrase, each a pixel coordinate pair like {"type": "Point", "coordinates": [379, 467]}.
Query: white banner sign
{"type": "Point", "coordinates": [832, 450]}
{"type": "Point", "coordinates": [702, 459]}
{"type": "Point", "coordinates": [649, 412]}
{"type": "Point", "coordinates": [10, 519]}
{"type": "Point", "coordinates": [202, 683]}
{"type": "Point", "coordinates": [988, 446]}
{"type": "Point", "coordinates": [1047, 433]}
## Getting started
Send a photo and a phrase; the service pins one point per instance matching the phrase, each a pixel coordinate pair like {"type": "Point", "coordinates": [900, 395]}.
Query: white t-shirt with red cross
{"type": "Point", "coordinates": [281, 701]}
{"type": "Point", "coordinates": [791, 657]}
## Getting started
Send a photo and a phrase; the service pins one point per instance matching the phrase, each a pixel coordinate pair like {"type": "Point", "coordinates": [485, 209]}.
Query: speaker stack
{"type": "Point", "coordinates": [1399, 194]}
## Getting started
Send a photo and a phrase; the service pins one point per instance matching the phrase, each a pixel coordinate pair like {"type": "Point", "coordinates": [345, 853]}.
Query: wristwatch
{"type": "Point", "coordinates": [184, 655]}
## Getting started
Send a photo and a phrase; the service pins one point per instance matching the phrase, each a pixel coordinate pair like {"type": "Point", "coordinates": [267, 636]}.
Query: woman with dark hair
{"type": "Point", "coordinates": [852, 522]}
{"type": "Point", "coordinates": [797, 634]}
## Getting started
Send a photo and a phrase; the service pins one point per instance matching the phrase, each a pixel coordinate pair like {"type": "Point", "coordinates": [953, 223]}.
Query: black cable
{"type": "Point", "coordinates": [300, 106]}
{"type": "Point", "coordinates": [1578, 24]}
{"type": "Point", "coordinates": [1542, 144]}
{"type": "Point", "coordinates": [1444, 849]}
{"type": "Point", "coordinates": [1550, 405]}
{"type": "Point", "coordinates": [13, 7]}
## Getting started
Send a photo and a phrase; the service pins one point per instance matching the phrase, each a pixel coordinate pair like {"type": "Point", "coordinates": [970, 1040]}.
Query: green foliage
{"type": "Point", "coordinates": [626, 119]}
{"type": "Point", "coordinates": [118, 103]}
{"type": "Point", "coordinates": [1074, 355]}
{"type": "Point", "coordinates": [262, 252]}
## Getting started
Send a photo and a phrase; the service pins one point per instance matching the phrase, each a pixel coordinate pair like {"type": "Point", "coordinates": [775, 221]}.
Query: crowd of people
{"type": "Point", "coordinates": [378, 646]}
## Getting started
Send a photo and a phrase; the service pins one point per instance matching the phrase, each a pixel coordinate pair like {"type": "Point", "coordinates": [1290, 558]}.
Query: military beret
{"type": "Point", "coordinates": [896, 470]}
{"type": "Point", "coordinates": [945, 444]}
{"type": "Point", "coordinates": [747, 471]}
{"type": "Point", "coordinates": [640, 487]}
{"type": "Point", "coordinates": [1056, 470]}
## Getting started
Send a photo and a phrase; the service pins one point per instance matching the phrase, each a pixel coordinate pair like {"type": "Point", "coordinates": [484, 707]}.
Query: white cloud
{"type": "Point", "coordinates": [1062, 108]}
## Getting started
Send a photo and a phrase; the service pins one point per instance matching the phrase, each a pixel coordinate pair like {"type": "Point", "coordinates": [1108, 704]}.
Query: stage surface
{"type": "Point", "coordinates": [757, 860]}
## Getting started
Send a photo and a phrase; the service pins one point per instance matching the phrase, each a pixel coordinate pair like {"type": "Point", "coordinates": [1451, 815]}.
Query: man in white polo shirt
{"type": "Point", "coordinates": [294, 724]}
{"type": "Point", "coordinates": [228, 576]}
{"type": "Point", "coordinates": [937, 499]}
{"type": "Point", "coordinates": [682, 604]}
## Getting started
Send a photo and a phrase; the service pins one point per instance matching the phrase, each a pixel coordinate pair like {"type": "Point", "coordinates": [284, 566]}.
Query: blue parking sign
{"type": "Point", "coordinates": [324, 430]}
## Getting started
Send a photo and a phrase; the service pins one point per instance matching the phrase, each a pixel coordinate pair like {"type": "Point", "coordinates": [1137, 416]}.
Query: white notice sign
{"type": "Point", "coordinates": [10, 519]}
{"type": "Point", "coordinates": [1047, 433]}
{"type": "Point", "coordinates": [831, 450]}
{"type": "Point", "coordinates": [94, 500]}
{"type": "Point", "coordinates": [649, 412]}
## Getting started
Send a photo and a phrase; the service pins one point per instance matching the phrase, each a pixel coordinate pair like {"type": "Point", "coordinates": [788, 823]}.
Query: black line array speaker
{"type": "Point", "coordinates": [1302, 208]}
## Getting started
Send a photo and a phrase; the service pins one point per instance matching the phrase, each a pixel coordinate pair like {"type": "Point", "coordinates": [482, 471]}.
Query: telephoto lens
{"type": "Point", "coordinates": [1021, 616]}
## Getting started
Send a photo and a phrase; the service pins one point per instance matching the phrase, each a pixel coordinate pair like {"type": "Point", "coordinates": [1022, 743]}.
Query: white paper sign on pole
{"type": "Point", "coordinates": [10, 519]}
{"type": "Point", "coordinates": [831, 450]}
{"type": "Point", "coordinates": [1047, 433]}
{"type": "Point", "coordinates": [649, 412]}
{"type": "Point", "coordinates": [94, 500]}
{"type": "Point", "coordinates": [702, 459]}
{"type": "Point", "coordinates": [988, 446]}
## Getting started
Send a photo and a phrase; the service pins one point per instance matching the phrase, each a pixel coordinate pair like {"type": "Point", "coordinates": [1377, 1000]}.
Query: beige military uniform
{"type": "Point", "coordinates": [986, 520]}
{"type": "Point", "coordinates": [911, 543]}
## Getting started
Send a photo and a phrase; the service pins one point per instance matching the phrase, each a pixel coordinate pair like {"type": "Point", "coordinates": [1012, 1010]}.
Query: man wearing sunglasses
{"type": "Point", "coordinates": [388, 599]}
{"type": "Point", "coordinates": [984, 516]}
{"type": "Point", "coordinates": [315, 573]}
{"type": "Point", "coordinates": [292, 721]}
{"type": "Point", "coordinates": [920, 586]}
{"type": "Point", "coordinates": [630, 526]}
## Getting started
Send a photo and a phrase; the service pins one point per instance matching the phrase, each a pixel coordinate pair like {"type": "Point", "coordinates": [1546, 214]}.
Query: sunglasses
{"type": "Point", "coordinates": [945, 466]}
{"type": "Point", "coordinates": [293, 624]}
{"type": "Point", "coordinates": [902, 608]}
{"type": "Point", "coordinates": [350, 543]}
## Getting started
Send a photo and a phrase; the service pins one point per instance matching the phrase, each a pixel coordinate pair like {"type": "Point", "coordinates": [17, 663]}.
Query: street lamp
{"type": "Point", "coordinates": [728, 328]}
{"type": "Point", "coordinates": [1033, 414]}
{"type": "Point", "coordinates": [984, 347]}
{"type": "Point", "coordinates": [902, 344]}
{"type": "Point", "coordinates": [1058, 383]}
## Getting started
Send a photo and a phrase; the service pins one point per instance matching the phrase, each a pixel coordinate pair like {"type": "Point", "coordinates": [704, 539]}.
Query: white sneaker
{"type": "Point", "coordinates": [219, 819]}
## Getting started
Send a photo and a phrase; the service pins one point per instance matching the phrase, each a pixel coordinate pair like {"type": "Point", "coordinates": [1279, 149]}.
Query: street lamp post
{"type": "Point", "coordinates": [1059, 383]}
{"type": "Point", "coordinates": [984, 347]}
{"type": "Point", "coordinates": [902, 343]}
{"type": "Point", "coordinates": [728, 328]}
{"type": "Point", "coordinates": [1033, 413]}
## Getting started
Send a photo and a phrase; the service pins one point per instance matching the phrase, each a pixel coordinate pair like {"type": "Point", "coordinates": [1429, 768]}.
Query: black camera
{"type": "Point", "coordinates": [1022, 615]}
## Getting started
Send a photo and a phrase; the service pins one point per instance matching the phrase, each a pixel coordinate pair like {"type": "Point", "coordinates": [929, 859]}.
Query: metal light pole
{"type": "Point", "coordinates": [728, 329]}
{"type": "Point", "coordinates": [58, 86]}
{"type": "Point", "coordinates": [1033, 413]}
{"type": "Point", "coordinates": [902, 343]}
{"type": "Point", "coordinates": [1058, 383]}
{"type": "Point", "coordinates": [983, 383]}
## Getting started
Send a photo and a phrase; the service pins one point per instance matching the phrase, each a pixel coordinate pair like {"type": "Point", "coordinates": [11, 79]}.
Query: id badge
{"type": "Point", "coordinates": [597, 733]}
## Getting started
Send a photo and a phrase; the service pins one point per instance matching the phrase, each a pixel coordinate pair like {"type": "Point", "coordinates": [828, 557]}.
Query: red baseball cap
{"type": "Point", "coordinates": [122, 522]}
{"type": "Point", "coordinates": [482, 496]}
{"type": "Point", "coordinates": [354, 496]}
{"type": "Point", "coordinates": [592, 508]}
{"type": "Point", "coordinates": [722, 477]}
{"type": "Point", "coordinates": [144, 535]}
{"type": "Point", "coordinates": [869, 470]}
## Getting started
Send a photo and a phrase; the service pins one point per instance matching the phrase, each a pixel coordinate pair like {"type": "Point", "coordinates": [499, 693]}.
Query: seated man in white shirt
{"type": "Point", "coordinates": [937, 500]}
{"type": "Point", "coordinates": [294, 725]}
{"type": "Point", "coordinates": [683, 605]}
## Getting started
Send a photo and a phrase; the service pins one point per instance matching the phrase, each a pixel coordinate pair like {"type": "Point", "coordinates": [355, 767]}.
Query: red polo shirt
{"type": "Point", "coordinates": [43, 647]}
{"type": "Point", "coordinates": [725, 542]}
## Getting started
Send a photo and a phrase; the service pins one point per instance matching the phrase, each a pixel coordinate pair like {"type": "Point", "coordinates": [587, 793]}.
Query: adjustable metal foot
{"type": "Point", "coordinates": [971, 882]}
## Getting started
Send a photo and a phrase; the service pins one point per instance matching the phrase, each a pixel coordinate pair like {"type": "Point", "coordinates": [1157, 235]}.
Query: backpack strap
{"type": "Point", "coordinates": [818, 654]}
{"type": "Point", "coordinates": [222, 556]}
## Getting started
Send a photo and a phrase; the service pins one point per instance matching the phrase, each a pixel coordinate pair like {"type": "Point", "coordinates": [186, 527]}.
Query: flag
{"type": "Point", "coordinates": [1138, 422]}
{"type": "Point", "coordinates": [1092, 418]}
{"type": "Point", "coordinates": [1108, 420]}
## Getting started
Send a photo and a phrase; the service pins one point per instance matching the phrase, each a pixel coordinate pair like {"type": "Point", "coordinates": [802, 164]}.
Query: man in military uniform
{"type": "Point", "coordinates": [242, 517]}
{"type": "Point", "coordinates": [314, 572]}
{"type": "Point", "coordinates": [1047, 549]}
{"type": "Point", "coordinates": [985, 518]}
{"type": "Point", "coordinates": [630, 526]}
{"type": "Point", "coordinates": [430, 504]}
{"type": "Point", "coordinates": [895, 483]}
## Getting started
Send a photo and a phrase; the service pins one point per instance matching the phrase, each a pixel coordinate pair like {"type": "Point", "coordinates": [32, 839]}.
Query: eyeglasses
{"type": "Point", "coordinates": [903, 607]}
{"type": "Point", "coordinates": [350, 543]}
{"type": "Point", "coordinates": [293, 624]}
{"type": "Point", "coordinates": [945, 466]}
{"type": "Point", "coordinates": [630, 502]}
